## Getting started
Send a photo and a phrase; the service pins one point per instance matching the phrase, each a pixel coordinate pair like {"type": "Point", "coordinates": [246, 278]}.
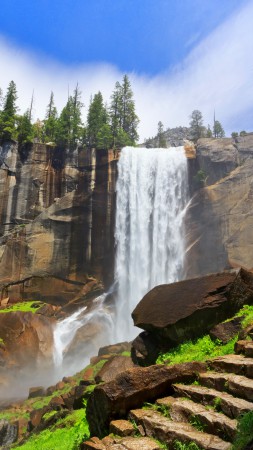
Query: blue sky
{"type": "Point", "coordinates": [180, 55]}
{"type": "Point", "coordinates": [144, 36]}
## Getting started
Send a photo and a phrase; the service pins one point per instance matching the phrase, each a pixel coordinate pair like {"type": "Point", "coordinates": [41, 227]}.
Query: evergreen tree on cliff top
{"type": "Point", "coordinates": [97, 118]}
{"type": "Point", "coordinates": [124, 121]}
{"type": "Point", "coordinates": [8, 114]}
{"type": "Point", "coordinates": [50, 122]}
{"type": "Point", "coordinates": [69, 130]}
{"type": "Point", "coordinates": [218, 130]}
{"type": "Point", "coordinates": [161, 137]}
{"type": "Point", "coordinates": [196, 124]}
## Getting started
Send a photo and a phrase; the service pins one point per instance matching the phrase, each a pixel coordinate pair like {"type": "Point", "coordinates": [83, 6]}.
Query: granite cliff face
{"type": "Point", "coordinates": [57, 214]}
{"type": "Point", "coordinates": [219, 222]}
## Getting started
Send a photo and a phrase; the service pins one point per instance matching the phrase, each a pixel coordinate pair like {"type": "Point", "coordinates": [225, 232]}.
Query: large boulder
{"type": "Point", "coordinates": [27, 339]}
{"type": "Point", "coordinates": [131, 389]}
{"type": "Point", "coordinates": [190, 308]}
{"type": "Point", "coordinates": [113, 367]}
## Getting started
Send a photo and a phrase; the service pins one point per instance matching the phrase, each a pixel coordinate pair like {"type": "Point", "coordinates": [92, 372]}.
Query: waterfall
{"type": "Point", "coordinates": [80, 335]}
{"type": "Point", "coordinates": [151, 200]}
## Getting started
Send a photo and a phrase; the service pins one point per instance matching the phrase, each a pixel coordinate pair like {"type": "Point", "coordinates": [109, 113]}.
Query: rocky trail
{"type": "Point", "coordinates": [204, 412]}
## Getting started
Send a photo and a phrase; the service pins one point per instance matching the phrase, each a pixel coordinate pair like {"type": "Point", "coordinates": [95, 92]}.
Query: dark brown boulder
{"type": "Point", "coordinates": [145, 349]}
{"type": "Point", "coordinates": [116, 365]}
{"type": "Point", "coordinates": [189, 308]}
{"type": "Point", "coordinates": [37, 391]}
{"type": "Point", "coordinates": [226, 331]}
{"type": "Point", "coordinates": [131, 389]}
{"type": "Point", "coordinates": [36, 417]}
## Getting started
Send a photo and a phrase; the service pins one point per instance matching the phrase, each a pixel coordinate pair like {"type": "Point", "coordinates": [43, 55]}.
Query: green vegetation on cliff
{"type": "Point", "coordinates": [31, 306]}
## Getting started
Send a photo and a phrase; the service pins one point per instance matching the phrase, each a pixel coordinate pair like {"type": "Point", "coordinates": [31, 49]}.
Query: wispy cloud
{"type": "Point", "coordinates": [217, 74]}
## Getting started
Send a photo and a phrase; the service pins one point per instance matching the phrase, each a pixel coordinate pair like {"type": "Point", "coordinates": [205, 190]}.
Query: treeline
{"type": "Point", "coordinates": [106, 127]}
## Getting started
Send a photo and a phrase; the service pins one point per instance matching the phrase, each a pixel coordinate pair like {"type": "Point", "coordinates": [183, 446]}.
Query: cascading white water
{"type": "Point", "coordinates": [74, 340]}
{"type": "Point", "coordinates": [151, 200]}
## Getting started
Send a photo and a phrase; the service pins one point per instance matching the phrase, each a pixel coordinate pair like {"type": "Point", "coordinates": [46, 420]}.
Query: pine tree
{"type": "Point", "coordinates": [69, 130]}
{"type": "Point", "coordinates": [76, 120]}
{"type": "Point", "coordinates": [130, 120]}
{"type": "Point", "coordinates": [8, 114]}
{"type": "Point", "coordinates": [196, 124]}
{"type": "Point", "coordinates": [124, 121]}
{"type": "Point", "coordinates": [104, 137]}
{"type": "Point", "coordinates": [160, 136]}
{"type": "Point", "coordinates": [116, 112]}
{"type": "Point", "coordinates": [63, 129]}
{"type": "Point", "coordinates": [209, 133]}
{"type": "Point", "coordinates": [24, 128]}
{"type": "Point", "coordinates": [218, 130]}
{"type": "Point", "coordinates": [50, 122]}
{"type": "Point", "coordinates": [97, 118]}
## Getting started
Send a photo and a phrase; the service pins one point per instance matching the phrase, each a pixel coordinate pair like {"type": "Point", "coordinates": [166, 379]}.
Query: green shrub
{"type": "Point", "coordinates": [244, 431]}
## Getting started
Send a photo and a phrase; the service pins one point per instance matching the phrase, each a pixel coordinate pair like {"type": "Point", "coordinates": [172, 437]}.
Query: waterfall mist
{"type": "Point", "coordinates": [151, 201]}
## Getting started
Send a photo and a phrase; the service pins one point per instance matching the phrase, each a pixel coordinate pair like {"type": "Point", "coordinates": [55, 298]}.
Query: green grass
{"type": "Point", "coordinates": [180, 446]}
{"type": "Point", "coordinates": [198, 350]}
{"type": "Point", "coordinates": [247, 312]}
{"type": "Point", "coordinates": [204, 348]}
{"type": "Point", "coordinates": [31, 306]}
{"type": "Point", "coordinates": [14, 415]}
{"type": "Point", "coordinates": [196, 423]}
{"type": "Point", "coordinates": [244, 431]}
{"type": "Point", "coordinates": [66, 434]}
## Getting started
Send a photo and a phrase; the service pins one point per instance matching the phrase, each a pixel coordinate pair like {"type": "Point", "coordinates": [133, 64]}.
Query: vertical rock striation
{"type": "Point", "coordinates": [57, 212]}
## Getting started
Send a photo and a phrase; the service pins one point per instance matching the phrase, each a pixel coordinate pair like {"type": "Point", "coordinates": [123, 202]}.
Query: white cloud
{"type": "Point", "coordinates": [218, 74]}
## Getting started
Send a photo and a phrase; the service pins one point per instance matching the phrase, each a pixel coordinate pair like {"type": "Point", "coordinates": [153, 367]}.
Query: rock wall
{"type": "Point", "coordinates": [219, 222]}
{"type": "Point", "coordinates": [57, 213]}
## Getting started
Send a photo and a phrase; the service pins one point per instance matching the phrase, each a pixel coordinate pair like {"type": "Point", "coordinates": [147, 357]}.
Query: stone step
{"type": "Point", "coordinates": [235, 384]}
{"type": "Point", "coordinates": [122, 428]}
{"type": "Point", "coordinates": [166, 431]}
{"type": "Point", "coordinates": [213, 422]}
{"type": "Point", "coordinates": [237, 364]}
{"type": "Point", "coordinates": [126, 443]}
{"type": "Point", "coordinates": [245, 347]}
{"type": "Point", "coordinates": [229, 405]}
